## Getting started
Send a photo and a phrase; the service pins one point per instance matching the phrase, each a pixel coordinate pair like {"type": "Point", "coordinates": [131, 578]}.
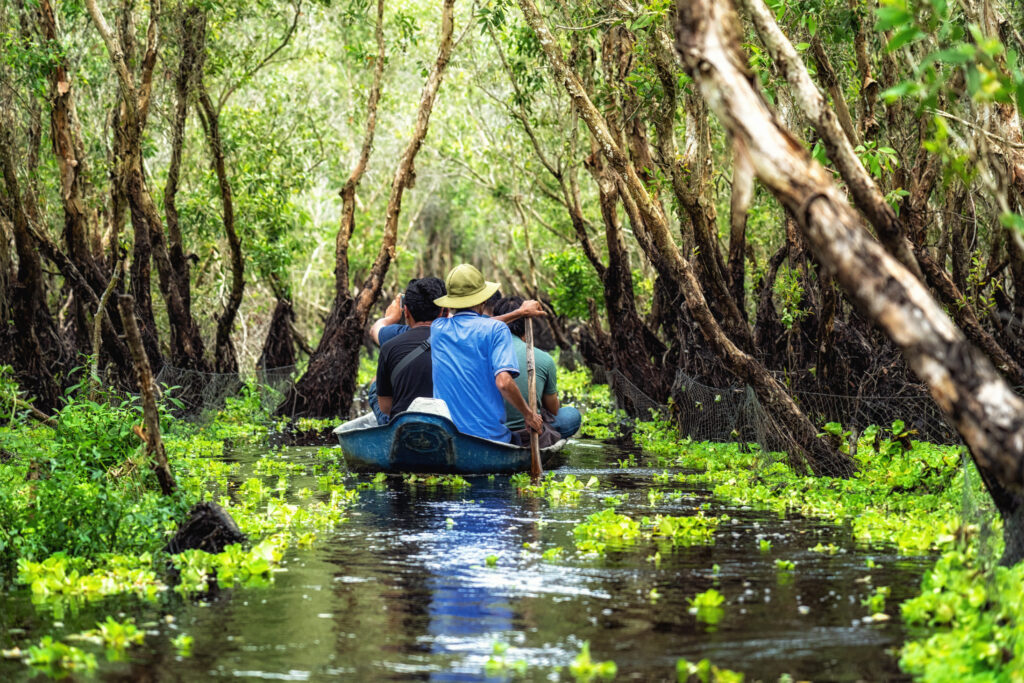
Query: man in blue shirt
{"type": "Point", "coordinates": [474, 361]}
{"type": "Point", "coordinates": [565, 420]}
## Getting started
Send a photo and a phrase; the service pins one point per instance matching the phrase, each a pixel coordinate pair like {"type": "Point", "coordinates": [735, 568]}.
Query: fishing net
{"type": "Point", "coordinates": [734, 414]}
{"type": "Point", "coordinates": [199, 395]}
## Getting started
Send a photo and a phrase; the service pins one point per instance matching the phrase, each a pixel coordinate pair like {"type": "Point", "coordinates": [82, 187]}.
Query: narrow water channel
{"type": "Point", "coordinates": [404, 591]}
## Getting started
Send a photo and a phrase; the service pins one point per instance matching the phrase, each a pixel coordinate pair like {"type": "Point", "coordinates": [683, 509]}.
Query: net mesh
{"type": "Point", "coordinates": [200, 395]}
{"type": "Point", "coordinates": [734, 414]}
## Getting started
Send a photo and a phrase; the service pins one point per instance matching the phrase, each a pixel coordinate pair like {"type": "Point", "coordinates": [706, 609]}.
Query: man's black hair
{"type": "Point", "coordinates": [492, 301]}
{"type": "Point", "coordinates": [419, 298]}
{"type": "Point", "coordinates": [507, 305]}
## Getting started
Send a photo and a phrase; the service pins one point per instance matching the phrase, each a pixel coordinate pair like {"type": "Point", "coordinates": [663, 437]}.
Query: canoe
{"type": "Point", "coordinates": [428, 442]}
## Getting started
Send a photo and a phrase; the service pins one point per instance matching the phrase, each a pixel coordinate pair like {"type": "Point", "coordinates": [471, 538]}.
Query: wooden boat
{"type": "Point", "coordinates": [429, 442]}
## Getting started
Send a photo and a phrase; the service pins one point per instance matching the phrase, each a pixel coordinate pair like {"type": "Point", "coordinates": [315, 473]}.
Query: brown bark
{"type": "Point", "coordinates": [328, 385]}
{"type": "Point", "coordinates": [962, 381]}
{"type": "Point", "coordinates": [279, 345]}
{"type": "Point", "coordinates": [192, 32]}
{"type": "Point", "coordinates": [739, 204]}
{"type": "Point", "coordinates": [666, 257]}
{"type": "Point", "coordinates": [225, 359]}
{"type": "Point", "coordinates": [147, 389]}
{"type": "Point", "coordinates": [348, 192]}
{"type": "Point", "coordinates": [33, 326]}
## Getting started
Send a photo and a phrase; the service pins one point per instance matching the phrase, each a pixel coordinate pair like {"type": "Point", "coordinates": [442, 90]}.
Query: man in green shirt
{"type": "Point", "coordinates": [563, 419]}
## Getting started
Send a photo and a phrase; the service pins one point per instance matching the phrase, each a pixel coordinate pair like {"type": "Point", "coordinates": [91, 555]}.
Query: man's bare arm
{"type": "Point", "coordinates": [392, 316]}
{"type": "Point", "coordinates": [529, 309]}
{"type": "Point", "coordinates": [550, 403]}
{"type": "Point", "coordinates": [385, 404]}
{"type": "Point", "coordinates": [510, 391]}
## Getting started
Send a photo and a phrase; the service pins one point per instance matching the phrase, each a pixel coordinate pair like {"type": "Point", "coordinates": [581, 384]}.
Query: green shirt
{"type": "Point", "coordinates": [547, 383]}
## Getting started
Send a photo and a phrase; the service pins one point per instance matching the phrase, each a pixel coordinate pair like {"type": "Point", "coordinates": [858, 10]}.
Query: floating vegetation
{"type": "Point", "coordinates": [609, 530]}
{"type": "Point", "coordinates": [232, 566]}
{"type": "Point", "coordinates": [58, 660]}
{"type": "Point", "coordinates": [498, 664]}
{"type": "Point", "coordinates": [584, 669]}
{"type": "Point", "coordinates": [707, 606]}
{"type": "Point", "coordinates": [976, 622]}
{"type": "Point", "coordinates": [705, 672]}
{"type": "Point", "coordinates": [566, 491]}
{"type": "Point", "coordinates": [447, 481]}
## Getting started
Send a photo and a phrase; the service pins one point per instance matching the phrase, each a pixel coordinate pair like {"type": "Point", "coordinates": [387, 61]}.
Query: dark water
{"type": "Point", "coordinates": [398, 594]}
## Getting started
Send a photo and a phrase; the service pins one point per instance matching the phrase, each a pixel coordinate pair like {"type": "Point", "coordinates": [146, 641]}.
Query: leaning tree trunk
{"type": "Point", "coordinates": [328, 386]}
{"type": "Point", "coordinates": [664, 254]}
{"type": "Point", "coordinates": [969, 390]}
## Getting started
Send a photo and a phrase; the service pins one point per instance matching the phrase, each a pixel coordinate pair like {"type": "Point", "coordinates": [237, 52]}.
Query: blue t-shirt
{"type": "Point", "coordinates": [389, 332]}
{"type": "Point", "coordinates": [468, 351]}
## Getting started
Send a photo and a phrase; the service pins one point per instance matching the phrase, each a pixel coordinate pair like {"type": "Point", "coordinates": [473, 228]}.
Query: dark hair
{"type": "Point", "coordinates": [492, 301]}
{"type": "Point", "coordinates": [419, 298]}
{"type": "Point", "coordinates": [507, 305]}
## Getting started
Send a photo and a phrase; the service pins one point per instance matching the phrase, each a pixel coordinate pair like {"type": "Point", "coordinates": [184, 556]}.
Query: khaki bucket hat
{"type": "Point", "coordinates": [466, 288]}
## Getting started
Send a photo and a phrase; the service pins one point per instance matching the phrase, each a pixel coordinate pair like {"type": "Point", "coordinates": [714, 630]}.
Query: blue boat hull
{"type": "Point", "coordinates": [423, 442]}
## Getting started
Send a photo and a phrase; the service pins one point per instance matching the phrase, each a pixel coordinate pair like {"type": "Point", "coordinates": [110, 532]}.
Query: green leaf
{"type": "Point", "coordinates": [890, 17]}
{"type": "Point", "coordinates": [961, 54]}
{"type": "Point", "coordinates": [903, 37]}
{"type": "Point", "coordinates": [1012, 220]}
{"type": "Point", "coordinates": [800, 47]}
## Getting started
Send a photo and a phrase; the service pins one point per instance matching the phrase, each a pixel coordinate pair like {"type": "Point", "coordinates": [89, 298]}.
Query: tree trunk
{"type": "Point", "coordinates": [962, 381]}
{"type": "Point", "coordinates": [147, 388]}
{"type": "Point", "coordinates": [328, 385]}
{"type": "Point", "coordinates": [225, 359]}
{"type": "Point", "coordinates": [35, 362]}
{"type": "Point", "coordinates": [279, 345]}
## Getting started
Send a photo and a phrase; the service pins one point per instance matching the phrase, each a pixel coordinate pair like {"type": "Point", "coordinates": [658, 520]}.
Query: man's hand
{"type": "Point", "coordinates": [394, 312]}
{"type": "Point", "coordinates": [531, 308]}
{"type": "Point", "coordinates": [534, 422]}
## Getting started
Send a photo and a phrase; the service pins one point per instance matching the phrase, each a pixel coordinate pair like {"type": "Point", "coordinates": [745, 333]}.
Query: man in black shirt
{"type": "Point", "coordinates": [404, 368]}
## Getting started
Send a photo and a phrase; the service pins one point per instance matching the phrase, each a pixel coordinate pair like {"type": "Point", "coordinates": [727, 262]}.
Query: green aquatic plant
{"type": "Point", "coordinates": [182, 644]}
{"type": "Point", "coordinates": [599, 423]}
{"type": "Point", "coordinates": [232, 566]}
{"type": "Point", "coordinates": [876, 601]}
{"type": "Point", "coordinates": [785, 565]}
{"type": "Point", "coordinates": [491, 560]}
{"type": "Point", "coordinates": [764, 545]}
{"type": "Point", "coordinates": [707, 606]}
{"type": "Point", "coordinates": [968, 619]}
{"type": "Point", "coordinates": [584, 669]}
{"type": "Point", "coordinates": [826, 549]}
{"type": "Point", "coordinates": [498, 664]}
{"type": "Point", "coordinates": [705, 672]}
{"type": "Point", "coordinates": [552, 554]}
{"type": "Point", "coordinates": [448, 481]}
{"type": "Point", "coordinates": [58, 659]}
{"type": "Point", "coordinates": [566, 491]}
{"type": "Point", "coordinates": [607, 529]}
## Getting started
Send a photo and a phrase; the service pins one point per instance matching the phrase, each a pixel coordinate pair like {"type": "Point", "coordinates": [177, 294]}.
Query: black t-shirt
{"type": "Point", "coordinates": [416, 378]}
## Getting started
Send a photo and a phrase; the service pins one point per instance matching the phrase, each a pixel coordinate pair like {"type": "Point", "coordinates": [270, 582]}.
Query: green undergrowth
{"type": "Point", "coordinates": [965, 624]}
{"type": "Point", "coordinates": [83, 517]}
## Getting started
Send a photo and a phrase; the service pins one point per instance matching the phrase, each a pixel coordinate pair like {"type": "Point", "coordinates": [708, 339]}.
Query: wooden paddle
{"type": "Point", "coordinates": [531, 374]}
